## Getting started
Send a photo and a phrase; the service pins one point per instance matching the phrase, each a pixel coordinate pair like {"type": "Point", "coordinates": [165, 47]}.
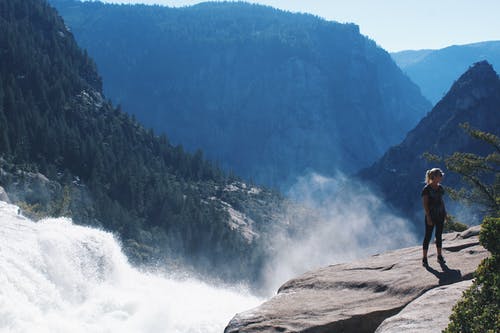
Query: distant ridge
{"type": "Point", "coordinates": [474, 98]}
{"type": "Point", "coordinates": [435, 70]}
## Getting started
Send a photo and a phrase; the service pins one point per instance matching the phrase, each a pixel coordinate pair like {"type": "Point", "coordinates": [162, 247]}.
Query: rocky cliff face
{"type": "Point", "coordinates": [39, 197]}
{"type": "Point", "coordinates": [359, 296]}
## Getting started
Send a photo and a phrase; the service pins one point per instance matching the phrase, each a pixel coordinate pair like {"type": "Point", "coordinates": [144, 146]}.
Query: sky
{"type": "Point", "coordinates": [396, 25]}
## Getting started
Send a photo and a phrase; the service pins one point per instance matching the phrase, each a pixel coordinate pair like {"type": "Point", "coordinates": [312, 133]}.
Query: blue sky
{"type": "Point", "coordinates": [396, 24]}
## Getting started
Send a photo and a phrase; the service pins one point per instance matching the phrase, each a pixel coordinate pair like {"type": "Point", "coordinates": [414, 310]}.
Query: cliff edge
{"type": "Point", "coordinates": [359, 296]}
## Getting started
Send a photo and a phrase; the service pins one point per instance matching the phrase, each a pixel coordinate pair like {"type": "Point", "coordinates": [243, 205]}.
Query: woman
{"type": "Point", "coordinates": [435, 212]}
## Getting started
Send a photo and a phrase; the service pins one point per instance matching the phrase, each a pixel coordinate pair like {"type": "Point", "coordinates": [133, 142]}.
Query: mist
{"type": "Point", "coordinates": [340, 221]}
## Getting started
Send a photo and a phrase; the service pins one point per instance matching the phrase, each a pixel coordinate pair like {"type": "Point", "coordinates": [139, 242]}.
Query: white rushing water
{"type": "Point", "coordinates": [59, 277]}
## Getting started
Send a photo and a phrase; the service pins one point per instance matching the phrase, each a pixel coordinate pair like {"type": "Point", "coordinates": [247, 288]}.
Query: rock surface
{"type": "Point", "coordinates": [359, 296]}
{"type": "Point", "coordinates": [3, 195]}
{"type": "Point", "coordinates": [427, 314]}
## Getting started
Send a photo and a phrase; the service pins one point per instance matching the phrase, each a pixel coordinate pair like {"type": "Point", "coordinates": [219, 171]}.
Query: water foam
{"type": "Point", "coordinates": [59, 277]}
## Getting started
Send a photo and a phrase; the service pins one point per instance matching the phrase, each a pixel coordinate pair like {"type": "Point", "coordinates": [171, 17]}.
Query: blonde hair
{"type": "Point", "coordinates": [430, 174]}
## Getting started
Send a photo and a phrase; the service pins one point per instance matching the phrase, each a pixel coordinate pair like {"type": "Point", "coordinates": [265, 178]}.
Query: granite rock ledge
{"type": "Point", "coordinates": [359, 296]}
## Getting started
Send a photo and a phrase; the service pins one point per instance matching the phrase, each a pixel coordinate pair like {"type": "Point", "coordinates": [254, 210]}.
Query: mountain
{"type": "Point", "coordinates": [268, 94]}
{"type": "Point", "coordinates": [434, 71]}
{"type": "Point", "coordinates": [475, 99]}
{"type": "Point", "coordinates": [66, 151]}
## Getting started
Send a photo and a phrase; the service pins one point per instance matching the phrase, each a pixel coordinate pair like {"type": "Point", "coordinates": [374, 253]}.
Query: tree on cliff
{"type": "Point", "coordinates": [479, 308]}
{"type": "Point", "coordinates": [482, 173]}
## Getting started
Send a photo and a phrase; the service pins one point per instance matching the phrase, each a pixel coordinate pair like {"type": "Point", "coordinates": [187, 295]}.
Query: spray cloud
{"type": "Point", "coordinates": [343, 221]}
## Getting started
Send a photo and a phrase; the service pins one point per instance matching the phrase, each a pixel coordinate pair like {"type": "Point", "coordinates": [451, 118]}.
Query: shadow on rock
{"type": "Point", "coordinates": [447, 275]}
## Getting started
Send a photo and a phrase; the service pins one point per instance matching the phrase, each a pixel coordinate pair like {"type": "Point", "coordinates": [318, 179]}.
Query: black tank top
{"type": "Point", "coordinates": [435, 201]}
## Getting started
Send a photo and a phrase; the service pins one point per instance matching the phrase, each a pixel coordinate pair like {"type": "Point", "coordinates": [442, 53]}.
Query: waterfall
{"type": "Point", "coordinates": [59, 277]}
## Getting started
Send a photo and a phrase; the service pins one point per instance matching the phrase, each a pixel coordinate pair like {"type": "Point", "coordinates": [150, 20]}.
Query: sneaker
{"type": "Point", "coordinates": [441, 259]}
{"type": "Point", "coordinates": [424, 261]}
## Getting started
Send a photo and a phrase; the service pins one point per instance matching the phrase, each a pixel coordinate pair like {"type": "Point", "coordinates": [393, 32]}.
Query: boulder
{"type": "Point", "coordinates": [427, 314]}
{"type": "Point", "coordinates": [3, 195]}
{"type": "Point", "coordinates": [359, 296]}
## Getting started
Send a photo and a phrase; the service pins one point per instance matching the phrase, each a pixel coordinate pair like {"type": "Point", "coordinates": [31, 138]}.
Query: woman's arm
{"type": "Point", "coordinates": [425, 201]}
{"type": "Point", "coordinates": [445, 212]}
{"type": "Point", "coordinates": [442, 202]}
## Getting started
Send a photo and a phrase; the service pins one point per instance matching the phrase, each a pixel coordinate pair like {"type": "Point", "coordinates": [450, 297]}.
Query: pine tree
{"type": "Point", "coordinates": [482, 173]}
{"type": "Point", "coordinates": [479, 309]}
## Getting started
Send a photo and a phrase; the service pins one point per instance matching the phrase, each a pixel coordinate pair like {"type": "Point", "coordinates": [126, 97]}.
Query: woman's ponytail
{"type": "Point", "coordinates": [428, 177]}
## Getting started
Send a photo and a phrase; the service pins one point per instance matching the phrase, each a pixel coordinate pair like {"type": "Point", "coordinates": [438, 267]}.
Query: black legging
{"type": "Point", "coordinates": [428, 233]}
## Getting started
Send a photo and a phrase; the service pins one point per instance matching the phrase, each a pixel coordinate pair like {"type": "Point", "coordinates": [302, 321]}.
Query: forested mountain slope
{"type": "Point", "coordinates": [66, 151]}
{"type": "Point", "coordinates": [268, 94]}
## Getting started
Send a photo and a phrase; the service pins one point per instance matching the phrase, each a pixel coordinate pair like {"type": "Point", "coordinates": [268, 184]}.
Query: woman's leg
{"type": "Point", "coordinates": [427, 238]}
{"type": "Point", "coordinates": [439, 237]}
